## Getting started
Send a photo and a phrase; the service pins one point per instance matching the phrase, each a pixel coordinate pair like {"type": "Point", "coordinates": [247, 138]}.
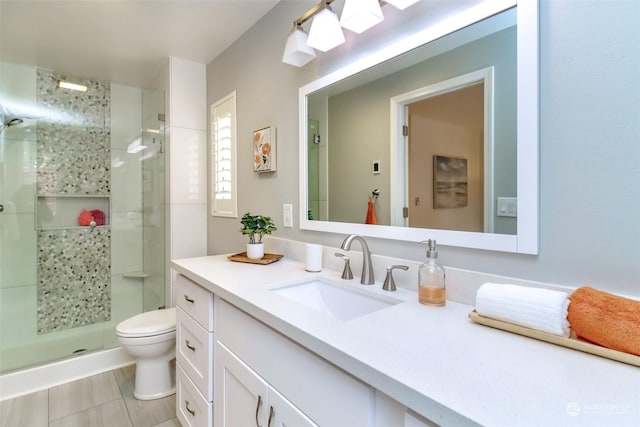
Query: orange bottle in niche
{"type": "Point", "coordinates": [431, 287]}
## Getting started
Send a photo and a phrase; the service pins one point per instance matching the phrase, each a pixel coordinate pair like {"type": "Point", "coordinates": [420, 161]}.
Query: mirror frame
{"type": "Point", "coordinates": [526, 239]}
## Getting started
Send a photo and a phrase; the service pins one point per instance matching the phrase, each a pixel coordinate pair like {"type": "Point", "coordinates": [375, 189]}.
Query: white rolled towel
{"type": "Point", "coordinates": [536, 308]}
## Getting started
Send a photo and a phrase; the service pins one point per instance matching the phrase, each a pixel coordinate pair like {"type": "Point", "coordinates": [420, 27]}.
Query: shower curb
{"type": "Point", "coordinates": [25, 381]}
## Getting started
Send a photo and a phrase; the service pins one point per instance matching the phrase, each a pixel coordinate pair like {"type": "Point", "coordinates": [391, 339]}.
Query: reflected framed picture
{"type": "Point", "coordinates": [264, 150]}
{"type": "Point", "coordinates": [450, 182]}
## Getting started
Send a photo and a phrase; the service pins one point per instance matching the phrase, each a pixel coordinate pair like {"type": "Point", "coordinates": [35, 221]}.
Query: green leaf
{"type": "Point", "coordinates": [256, 225]}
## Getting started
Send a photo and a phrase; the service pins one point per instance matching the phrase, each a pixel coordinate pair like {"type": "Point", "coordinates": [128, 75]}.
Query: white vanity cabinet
{"type": "Point", "coordinates": [194, 354]}
{"type": "Point", "coordinates": [255, 375]}
{"type": "Point", "coordinates": [247, 399]}
{"type": "Point", "coordinates": [257, 368]}
{"type": "Point", "coordinates": [412, 419]}
{"type": "Point", "coordinates": [390, 412]}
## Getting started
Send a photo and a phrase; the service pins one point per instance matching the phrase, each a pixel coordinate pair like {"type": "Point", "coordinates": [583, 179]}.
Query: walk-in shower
{"type": "Point", "coordinates": [81, 213]}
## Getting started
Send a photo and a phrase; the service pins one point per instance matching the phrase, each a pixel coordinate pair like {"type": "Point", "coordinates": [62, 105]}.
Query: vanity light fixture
{"type": "Point", "coordinates": [326, 32]}
{"type": "Point", "coordinates": [402, 4]}
{"type": "Point", "coordinates": [360, 15]}
{"type": "Point", "coordinates": [72, 86]}
{"type": "Point", "coordinates": [296, 51]}
{"type": "Point", "coordinates": [326, 29]}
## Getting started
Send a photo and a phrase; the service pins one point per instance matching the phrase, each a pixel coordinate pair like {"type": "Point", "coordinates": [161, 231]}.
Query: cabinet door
{"type": "Point", "coordinates": [282, 413]}
{"type": "Point", "coordinates": [241, 395]}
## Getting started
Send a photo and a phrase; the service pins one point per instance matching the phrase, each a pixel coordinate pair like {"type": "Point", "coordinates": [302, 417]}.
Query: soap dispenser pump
{"type": "Point", "coordinates": [431, 288]}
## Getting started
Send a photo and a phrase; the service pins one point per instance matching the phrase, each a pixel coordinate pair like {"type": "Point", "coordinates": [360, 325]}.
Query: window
{"type": "Point", "coordinates": [223, 157]}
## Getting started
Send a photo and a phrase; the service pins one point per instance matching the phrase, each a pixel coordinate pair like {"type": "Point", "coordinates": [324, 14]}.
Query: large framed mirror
{"type": "Point", "coordinates": [436, 136]}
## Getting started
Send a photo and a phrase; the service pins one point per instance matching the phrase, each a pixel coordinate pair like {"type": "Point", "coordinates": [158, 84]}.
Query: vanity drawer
{"type": "Point", "coordinates": [194, 352]}
{"type": "Point", "coordinates": [195, 301]}
{"type": "Point", "coordinates": [191, 407]}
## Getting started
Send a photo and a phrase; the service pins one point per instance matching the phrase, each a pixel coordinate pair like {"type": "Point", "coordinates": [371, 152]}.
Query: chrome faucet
{"type": "Point", "coordinates": [366, 278]}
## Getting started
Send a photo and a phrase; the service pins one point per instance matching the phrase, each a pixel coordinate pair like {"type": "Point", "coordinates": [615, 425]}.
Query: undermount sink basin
{"type": "Point", "coordinates": [343, 302]}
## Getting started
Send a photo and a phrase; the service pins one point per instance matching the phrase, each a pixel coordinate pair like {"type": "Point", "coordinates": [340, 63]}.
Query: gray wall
{"type": "Point", "coordinates": [589, 148]}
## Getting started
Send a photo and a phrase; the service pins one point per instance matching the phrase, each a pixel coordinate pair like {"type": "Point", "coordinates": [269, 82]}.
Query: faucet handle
{"type": "Point", "coordinates": [346, 273]}
{"type": "Point", "coordinates": [389, 283]}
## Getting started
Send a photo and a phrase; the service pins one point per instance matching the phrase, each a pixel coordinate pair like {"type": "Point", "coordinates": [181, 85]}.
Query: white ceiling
{"type": "Point", "coordinates": [124, 41]}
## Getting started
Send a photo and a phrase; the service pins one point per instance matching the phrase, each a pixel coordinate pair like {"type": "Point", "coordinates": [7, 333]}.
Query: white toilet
{"type": "Point", "coordinates": [151, 338]}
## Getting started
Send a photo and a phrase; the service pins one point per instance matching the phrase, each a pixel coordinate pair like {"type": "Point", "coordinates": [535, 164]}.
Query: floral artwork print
{"type": "Point", "coordinates": [263, 151]}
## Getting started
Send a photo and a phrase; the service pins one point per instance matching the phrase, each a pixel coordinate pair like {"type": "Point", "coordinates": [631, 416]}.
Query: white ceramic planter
{"type": "Point", "coordinates": [255, 250]}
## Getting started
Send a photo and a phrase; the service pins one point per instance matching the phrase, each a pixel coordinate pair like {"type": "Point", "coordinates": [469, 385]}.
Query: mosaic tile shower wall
{"type": "Point", "coordinates": [73, 278]}
{"type": "Point", "coordinates": [74, 146]}
{"type": "Point", "coordinates": [73, 159]}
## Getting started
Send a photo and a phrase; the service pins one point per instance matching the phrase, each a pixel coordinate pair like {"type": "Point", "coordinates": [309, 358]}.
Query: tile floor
{"type": "Point", "coordinates": [104, 400]}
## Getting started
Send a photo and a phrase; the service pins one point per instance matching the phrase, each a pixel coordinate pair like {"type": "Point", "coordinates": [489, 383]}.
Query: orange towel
{"type": "Point", "coordinates": [605, 319]}
{"type": "Point", "coordinates": [371, 213]}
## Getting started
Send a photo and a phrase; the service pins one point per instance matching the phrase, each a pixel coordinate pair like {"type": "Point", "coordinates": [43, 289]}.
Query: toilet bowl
{"type": "Point", "coordinates": [150, 337]}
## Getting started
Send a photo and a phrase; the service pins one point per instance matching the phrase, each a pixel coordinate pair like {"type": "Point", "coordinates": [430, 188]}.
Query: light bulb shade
{"type": "Point", "coordinates": [360, 15]}
{"type": "Point", "coordinates": [402, 4]}
{"type": "Point", "coordinates": [296, 51]}
{"type": "Point", "coordinates": [326, 32]}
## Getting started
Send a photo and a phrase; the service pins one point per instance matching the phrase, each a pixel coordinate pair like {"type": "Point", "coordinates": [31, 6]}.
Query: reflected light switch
{"type": "Point", "coordinates": [376, 167]}
{"type": "Point", "coordinates": [507, 206]}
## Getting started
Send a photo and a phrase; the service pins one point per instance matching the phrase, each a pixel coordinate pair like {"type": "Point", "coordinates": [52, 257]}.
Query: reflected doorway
{"type": "Point", "coordinates": [444, 155]}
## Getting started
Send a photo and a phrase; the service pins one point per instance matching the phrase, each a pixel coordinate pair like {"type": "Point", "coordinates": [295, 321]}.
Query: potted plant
{"type": "Point", "coordinates": [256, 226]}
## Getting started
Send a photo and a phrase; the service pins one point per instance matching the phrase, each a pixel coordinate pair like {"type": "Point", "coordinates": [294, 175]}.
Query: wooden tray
{"type": "Point", "coordinates": [267, 259]}
{"type": "Point", "coordinates": [571, 342]}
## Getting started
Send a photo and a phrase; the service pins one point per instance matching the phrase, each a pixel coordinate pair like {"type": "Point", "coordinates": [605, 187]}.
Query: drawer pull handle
{"type": "Point", "coordinates": [189, 410]}
{"type": "Point", "coordinates": [188, 298]}
{"type": "Point", "coordinates": [189, 346]}
{"type": "Point", "coordinates": [272, 412]}
{"type": "Point", "coordinates": [258, 410]}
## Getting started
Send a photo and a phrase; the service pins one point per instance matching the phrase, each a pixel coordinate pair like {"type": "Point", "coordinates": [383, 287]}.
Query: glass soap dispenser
{"type": "Point", "coordinates": [431, 289]}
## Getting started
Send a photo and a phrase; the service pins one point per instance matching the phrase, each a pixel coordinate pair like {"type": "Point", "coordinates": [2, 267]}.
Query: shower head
{"type": "Point", "coordinates": [15, 121]}
{"type": "Point", "coordinates": [10, 121]}
{"type": "Point", "coordinates": [14, 114]}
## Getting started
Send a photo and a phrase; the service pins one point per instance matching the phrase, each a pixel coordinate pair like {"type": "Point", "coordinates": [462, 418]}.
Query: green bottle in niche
{"type": "Point", "coordinates": [431, 287]}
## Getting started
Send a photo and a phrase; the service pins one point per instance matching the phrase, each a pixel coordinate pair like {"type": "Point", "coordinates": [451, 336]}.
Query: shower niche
{"type": "Point", "coordinates": [64, 211]}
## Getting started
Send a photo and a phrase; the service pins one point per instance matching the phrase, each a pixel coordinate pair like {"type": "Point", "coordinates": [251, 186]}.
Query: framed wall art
{"type": "Point", "coordinates": [264, 150]}
{"type": "Point", "coordinates": [450, 182]}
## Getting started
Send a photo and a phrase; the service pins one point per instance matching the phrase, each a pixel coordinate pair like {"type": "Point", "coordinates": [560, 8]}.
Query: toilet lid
{"type": "Point", "coordinates": [150, 323]}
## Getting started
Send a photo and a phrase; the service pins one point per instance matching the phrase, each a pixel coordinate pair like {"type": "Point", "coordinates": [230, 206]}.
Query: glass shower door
{"type": "Point", "coordinates": [153, 203]}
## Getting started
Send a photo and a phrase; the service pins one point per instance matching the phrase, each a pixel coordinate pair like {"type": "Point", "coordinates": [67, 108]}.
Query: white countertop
{"type": "Point", "coordinates": [434, 359]}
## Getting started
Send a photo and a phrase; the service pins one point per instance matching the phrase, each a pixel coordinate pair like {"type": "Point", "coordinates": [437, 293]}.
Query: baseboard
{"type": "Point", "coordinates": [42, 377]}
